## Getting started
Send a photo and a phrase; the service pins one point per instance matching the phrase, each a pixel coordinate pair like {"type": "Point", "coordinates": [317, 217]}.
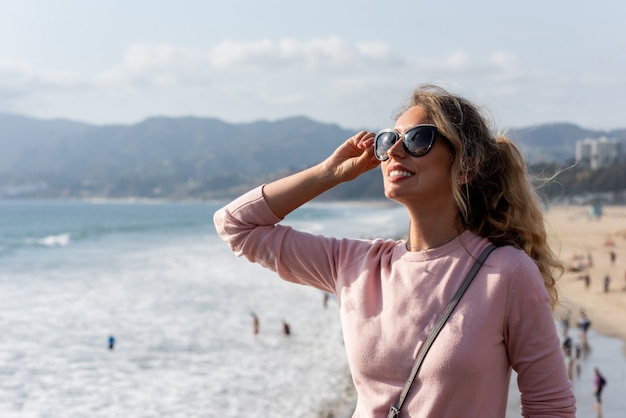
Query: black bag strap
{"type": "Point", "coordinates": [394, 411]}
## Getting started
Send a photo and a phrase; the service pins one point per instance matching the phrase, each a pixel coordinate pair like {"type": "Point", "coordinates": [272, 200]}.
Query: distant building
{"type": "Point", "coordinates": [598, 152]}
{"type": "Point", "coordinates": [583, 151]}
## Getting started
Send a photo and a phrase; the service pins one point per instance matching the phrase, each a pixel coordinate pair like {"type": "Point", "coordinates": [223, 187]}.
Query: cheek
{"type": "Point", "coordinates": [442, 177]}
{"type": "Point", "coordinates": [383, 169]}
{"type": "Point", "coordinates": [387, 184]}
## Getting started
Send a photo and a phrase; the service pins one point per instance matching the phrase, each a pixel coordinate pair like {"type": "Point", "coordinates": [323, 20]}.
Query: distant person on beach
{"type": "Point", "coordinates": [463, 188]}
{"type": "Point", "coordinates": [286, 329]}
{"type": "Point", "coordinates": [565, 320]}
{"type": "Point", "coordinates": [599, 382]}
{"type": "Point", "coordinates": [111, 342]}
{"type": "Point", "coordinates": [568, 353]}
{"type": "Point", "coordinates": [607, 281]}
{"type": "Point", "coordinates": [578, 349]}
{"type": "Point", "coordinates": [255, 323]}
{"type": "Point", "coordinates": [583, 326]}
{"type": "Point", "coordinates": [567, 346]}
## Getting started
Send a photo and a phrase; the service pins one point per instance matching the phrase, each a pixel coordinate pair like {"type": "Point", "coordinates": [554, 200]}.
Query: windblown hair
{"type": "Point", "coordinates": [495, 198]}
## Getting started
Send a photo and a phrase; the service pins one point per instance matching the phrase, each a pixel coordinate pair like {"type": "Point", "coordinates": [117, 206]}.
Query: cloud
{"type": "Point", "coordinates": [228, 68]}
{"type": "Point", "coordinates": [455, 62]}
{"type": "Point", "coordinates": [316, 55]}
{"type": "Point", "coordinates": [154, 59]}
{"type": "Point", "coordinates": [326, 76]}
{"type": "Point", "coordinates": [171, 66]}
{"type": "Point", "coordinates": [331, 54]}
{"type": "Point", "coordinates": [20, 76]}
{"type": "Point", "coordinates": [14, 71]}
{"type": "Point", "coordinates": [496, 65]}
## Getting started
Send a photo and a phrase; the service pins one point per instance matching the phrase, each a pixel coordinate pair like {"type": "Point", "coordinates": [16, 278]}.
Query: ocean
{"type": "Point", "coordinates": [179, 306]}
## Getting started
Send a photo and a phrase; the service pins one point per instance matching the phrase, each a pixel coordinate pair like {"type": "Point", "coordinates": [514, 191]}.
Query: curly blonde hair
{"type": "Point", "coordinates": [496, 199]}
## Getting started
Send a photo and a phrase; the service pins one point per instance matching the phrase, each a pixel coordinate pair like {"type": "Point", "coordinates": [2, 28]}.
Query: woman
{"type": "Point", "coordinates": [599, 382]}
{"type": "Point", "coordinates": [463, 189]}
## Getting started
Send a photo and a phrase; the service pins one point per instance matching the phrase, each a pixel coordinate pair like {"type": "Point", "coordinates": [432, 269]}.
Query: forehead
{"type": "Point", "coordinates": [415, 115]}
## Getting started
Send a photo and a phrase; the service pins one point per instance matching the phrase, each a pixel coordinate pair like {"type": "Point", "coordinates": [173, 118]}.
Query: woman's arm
{"type": "Point", "coordinates": [351, 159]}
{"type": "Point", "coordinates": [248, 224]}
{"type": "Point", "coordinates": [534, 347]}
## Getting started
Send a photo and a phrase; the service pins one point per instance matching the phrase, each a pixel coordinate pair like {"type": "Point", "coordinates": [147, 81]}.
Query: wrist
{"type": "Point", "coordinates": [328, 174]}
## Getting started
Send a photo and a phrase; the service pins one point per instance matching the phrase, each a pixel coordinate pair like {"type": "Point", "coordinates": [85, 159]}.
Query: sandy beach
{"type": "Point", "coordinates": [579, 238]}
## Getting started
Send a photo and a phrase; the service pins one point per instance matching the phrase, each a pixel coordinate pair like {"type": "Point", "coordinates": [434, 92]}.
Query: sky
{"type": "Point", "coordinates": [353, 63]}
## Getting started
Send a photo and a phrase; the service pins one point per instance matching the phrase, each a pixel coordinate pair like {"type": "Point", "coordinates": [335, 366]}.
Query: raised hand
{"type": "Point", "coordinates": [351, 159]}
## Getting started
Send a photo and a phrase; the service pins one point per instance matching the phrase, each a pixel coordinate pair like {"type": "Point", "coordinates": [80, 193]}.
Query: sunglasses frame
{"type": "Point", "coordinates": [432, 128]}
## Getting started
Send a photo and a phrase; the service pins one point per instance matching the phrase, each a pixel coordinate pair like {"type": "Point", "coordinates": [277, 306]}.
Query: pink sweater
{"type": "Point", "coordinates": [389, 300]}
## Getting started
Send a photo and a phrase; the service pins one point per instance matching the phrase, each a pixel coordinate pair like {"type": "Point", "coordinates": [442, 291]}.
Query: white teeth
{"type": "Point", "coordinates": [398, 173]}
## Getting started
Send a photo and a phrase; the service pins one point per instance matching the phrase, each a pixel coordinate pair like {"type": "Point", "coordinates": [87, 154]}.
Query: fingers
{"type": "Point", "coordinates": [364, 143]}
{"type": "Point", "coordinates": [363, 140]}
{"type": "Point", "coordinates": [360, 146]}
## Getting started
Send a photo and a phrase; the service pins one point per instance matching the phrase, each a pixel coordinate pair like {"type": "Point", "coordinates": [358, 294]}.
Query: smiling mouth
{"type": "Point", "coordinates": [400, 173]}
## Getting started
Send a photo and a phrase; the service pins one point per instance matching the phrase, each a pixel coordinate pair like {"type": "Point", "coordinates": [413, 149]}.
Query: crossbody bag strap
{"type": "Point", "coordinates": [395, 409]}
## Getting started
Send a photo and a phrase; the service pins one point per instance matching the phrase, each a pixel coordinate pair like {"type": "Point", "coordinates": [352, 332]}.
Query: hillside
{"type": "Point", "coordinates": [200, 158]}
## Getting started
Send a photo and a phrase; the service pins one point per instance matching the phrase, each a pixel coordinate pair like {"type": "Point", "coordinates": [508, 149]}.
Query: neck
{"type": "Point", "coordinates": [432, 225]}
{"type": "Point", "coordinates": [436, 244]}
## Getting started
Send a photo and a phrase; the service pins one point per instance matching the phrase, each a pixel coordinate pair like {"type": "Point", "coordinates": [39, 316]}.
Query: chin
{"type": "Point", "coordinates": [392, 195]}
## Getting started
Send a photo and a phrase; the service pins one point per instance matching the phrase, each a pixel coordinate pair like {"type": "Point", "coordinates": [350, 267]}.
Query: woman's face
{"type": "Point", "coordinates": [418, 181]}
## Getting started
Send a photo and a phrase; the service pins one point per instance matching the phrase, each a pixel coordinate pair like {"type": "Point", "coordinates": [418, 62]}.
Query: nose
{"type": "Point", "coordinates": [397, 149]}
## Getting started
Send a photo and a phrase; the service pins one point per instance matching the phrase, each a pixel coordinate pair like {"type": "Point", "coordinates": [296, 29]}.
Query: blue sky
{"type": "Point", "coordinates": [347, 62]}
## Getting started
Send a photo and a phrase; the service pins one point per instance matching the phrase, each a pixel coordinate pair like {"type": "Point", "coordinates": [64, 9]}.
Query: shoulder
{"type": "Point", "coordinates": [357, 251]}
{"type": "Point", "coordinates": [512, 261]}
{"type": "Point", "coordinates": [504, 260]}
{"type": "Point", "coordinates": [513, 272]}
{"type": "Point", "coordinates": [520, 276]}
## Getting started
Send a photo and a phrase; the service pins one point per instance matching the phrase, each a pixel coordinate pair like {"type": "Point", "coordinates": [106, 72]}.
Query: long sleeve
{"type": "Point", "coordinates": [250, 229]}
{"type": "Point", "coordinates": [534, 348]}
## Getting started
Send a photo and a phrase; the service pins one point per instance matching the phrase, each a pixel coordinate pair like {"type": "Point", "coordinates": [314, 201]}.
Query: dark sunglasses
{"type": "Point", "coordinates": [417, 141]}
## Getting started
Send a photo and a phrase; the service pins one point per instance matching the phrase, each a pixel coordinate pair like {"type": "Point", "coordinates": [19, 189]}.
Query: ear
{"type": "Point", "coordinates": [463, 180]}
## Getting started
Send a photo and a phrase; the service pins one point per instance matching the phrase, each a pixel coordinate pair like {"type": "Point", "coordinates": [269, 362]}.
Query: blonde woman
{"type": "Point", "coordinates": [463, 189]}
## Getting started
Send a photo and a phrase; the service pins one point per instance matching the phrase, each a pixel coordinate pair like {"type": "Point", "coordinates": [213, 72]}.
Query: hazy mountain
{"type": "Point", "coordinates": [19, 135]}
{"type": "Point", "coordinates": [197, 157]}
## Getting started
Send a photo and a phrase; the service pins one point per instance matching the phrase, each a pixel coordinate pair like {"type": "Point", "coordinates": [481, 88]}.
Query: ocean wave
{"type": "Point", "coordinates": [58, 240]}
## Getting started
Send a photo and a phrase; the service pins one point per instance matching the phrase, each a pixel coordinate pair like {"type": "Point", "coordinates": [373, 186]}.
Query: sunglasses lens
{"type": "Point", "coordinates": [384, 141]}
{"type": "Point", "coordinates": [419, 140]}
